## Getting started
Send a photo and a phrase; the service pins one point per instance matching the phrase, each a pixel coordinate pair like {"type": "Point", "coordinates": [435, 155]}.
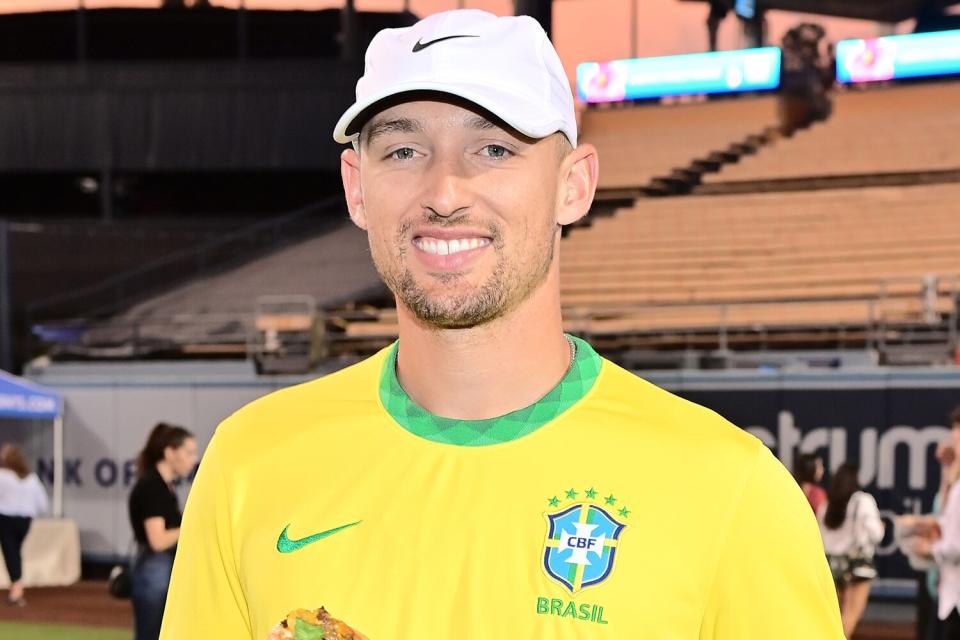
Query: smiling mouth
{"type": "Point", "coordinates": [442, 247]}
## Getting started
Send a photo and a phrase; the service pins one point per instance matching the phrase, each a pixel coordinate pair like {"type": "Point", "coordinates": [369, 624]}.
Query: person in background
{"type": "Point", "coordinates": [949, 472]}
{"type": "Point", "coordinates": [22, 498]}
{"type": "Point", "coordinates": [941, 539]}
{"type": "Point", "coordinates": [851, 528]}
{"type": "Point", "coordinates": [170, 453]}
{"type": "Point", "coordinates": [808, 471]}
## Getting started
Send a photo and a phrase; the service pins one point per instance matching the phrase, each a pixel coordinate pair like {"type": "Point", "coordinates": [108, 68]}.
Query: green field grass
{"type": "Point", "coordinates": [33, 631]}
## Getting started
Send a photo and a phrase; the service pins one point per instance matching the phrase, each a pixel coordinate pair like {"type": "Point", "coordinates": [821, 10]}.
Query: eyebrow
{"type": "Point", "coordinates": [396, 125]}
{"type": "Point", "coordinates": [479, 122]}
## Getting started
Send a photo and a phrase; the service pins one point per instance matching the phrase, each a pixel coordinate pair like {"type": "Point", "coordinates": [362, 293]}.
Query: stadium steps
{"type": "Point", "coordinates": [660, 150]}
{"type": "Point", "coordinates": [165, 309]}
{"type": "Point", "coordinates": [684, 180]}
{"type": "Point", "coordinates": [213, 316]}
{"type": "Point", "coordinates": [815, 269]}
{"type": "Point", "coordinates": [882, 136]}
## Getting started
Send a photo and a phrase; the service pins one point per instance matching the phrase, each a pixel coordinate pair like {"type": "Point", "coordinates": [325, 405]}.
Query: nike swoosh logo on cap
{"type": "Point", "coordinates": [420, 46]}
{"type": "Point", "coordinates": [286, 545]}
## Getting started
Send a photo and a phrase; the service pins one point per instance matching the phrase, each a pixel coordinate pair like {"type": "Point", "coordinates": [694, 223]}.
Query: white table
{"type": "Point", "coordinates": [51, 554]}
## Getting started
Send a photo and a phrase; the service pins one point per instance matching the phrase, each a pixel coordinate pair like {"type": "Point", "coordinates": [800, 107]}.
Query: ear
{"type": "Point", "coordinates": [350, 173]}
{"type": "Point", "coordinates": [579, 173]}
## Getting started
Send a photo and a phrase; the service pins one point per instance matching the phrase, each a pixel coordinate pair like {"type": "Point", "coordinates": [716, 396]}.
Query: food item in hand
{"type": "Point", "coordinates": [303, 624]}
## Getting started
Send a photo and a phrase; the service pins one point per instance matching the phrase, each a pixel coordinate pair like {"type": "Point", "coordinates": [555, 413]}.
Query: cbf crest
{"type": "Point", "coordinates": [583, 538]}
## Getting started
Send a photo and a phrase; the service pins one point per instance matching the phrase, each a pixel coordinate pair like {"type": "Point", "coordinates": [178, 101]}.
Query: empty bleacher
{"type": "Point", "coordinates": [912, 128]}
{"type": "Point", "coordinates": [811, 267]}
{"type": "Point", "coordinates": [214, 314]}
{"type": "Point", "coordinates": [641, 146]}
{"type": "Point", "coordinates": [682, 270]}
{"type": "Point", "coordinates": [819, 257]}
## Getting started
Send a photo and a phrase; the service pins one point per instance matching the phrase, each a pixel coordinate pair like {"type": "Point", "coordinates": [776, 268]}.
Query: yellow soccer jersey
{"type": "Point", "coordinates": [608, 509]}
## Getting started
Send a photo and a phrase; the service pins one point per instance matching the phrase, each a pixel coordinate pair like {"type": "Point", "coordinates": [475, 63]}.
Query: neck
{"type": "Point", "coordinates": [165, 471]}
{"type": "Point", "coordinates": [487, 371]}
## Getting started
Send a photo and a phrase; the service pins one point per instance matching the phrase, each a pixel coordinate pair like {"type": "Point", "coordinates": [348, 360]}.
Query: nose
{"type": "Point", "coordinates": [447, 186]}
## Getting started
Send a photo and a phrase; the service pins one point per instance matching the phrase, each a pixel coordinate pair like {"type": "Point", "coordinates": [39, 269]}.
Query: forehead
{"type": "Point", "coordinates": [426, 116]}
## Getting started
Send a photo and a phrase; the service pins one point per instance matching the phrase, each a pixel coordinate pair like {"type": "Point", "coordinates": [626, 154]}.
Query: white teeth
{"type": "Point", "coordinates": [445, 247]}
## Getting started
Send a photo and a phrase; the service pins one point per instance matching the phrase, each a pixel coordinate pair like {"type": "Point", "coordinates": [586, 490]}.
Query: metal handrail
{"type": "Point", "coordinates": [875, 322]}
{"type": "Point", "coordinates": [196, 260]}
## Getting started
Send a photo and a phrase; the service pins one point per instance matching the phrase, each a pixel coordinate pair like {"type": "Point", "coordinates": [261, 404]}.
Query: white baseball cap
{"type": "Point", "coordinates": [506, 66]}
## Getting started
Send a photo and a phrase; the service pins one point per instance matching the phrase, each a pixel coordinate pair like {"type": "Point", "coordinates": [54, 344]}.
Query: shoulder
{"type": "Point", "coordinates": [670, 418]}
{"type": "Point", "coordinates": [320, 403]}
{"type": "Point", "coordinates": [865, 499]}
{"type": "Point", "coordinates": [148, 484]}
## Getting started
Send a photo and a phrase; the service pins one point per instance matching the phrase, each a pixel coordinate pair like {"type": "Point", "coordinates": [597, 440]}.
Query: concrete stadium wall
{"type": "Point", "coordinates": [110, 409]}
{"type": "Point", "coordinates": [888, 419]}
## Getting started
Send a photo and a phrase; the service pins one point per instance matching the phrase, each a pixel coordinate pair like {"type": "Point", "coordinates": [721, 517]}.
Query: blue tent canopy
{"type": "Point", "coordinates": [21, 398]}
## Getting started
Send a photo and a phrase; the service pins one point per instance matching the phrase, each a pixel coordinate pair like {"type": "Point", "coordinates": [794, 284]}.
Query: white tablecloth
{"type": "Point", "coordinates": [51, 554]}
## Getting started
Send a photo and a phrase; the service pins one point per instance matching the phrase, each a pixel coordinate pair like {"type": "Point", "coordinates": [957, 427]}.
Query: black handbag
{"type": "Point", "coordinates": [118, 584]}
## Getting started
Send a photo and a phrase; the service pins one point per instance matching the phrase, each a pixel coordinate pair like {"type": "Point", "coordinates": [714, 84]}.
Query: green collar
{"type": "Point", "coordinates": [472, 433]}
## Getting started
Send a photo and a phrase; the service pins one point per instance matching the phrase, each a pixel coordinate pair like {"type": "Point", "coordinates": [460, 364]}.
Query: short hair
{"type": "Point", "coordinates": [955, 417]}
{"type": "Point", "coordinates": [12, 458]}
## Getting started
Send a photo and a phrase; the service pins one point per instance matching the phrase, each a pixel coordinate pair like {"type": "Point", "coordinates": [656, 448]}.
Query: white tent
{"type": "Point", "coordinates": [51, 551]}
{"type": "Point", "coordinates": [24, 400]}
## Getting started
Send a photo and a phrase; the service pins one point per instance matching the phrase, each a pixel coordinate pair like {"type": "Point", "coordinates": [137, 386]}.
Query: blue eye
{"type": "Point", "coordinates": [406, 153]}
{"type": "Point", "coordinates": [496, 151]}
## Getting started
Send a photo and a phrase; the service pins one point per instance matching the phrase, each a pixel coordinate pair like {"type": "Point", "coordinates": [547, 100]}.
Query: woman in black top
{"type": "Point", "coordinates": [170, 452]}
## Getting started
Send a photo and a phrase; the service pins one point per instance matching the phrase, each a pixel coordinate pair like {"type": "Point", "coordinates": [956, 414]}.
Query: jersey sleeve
{"type": "Point", "coordinates": [205, 599]}
{"type": "Point", "coordinates": [772, 579]}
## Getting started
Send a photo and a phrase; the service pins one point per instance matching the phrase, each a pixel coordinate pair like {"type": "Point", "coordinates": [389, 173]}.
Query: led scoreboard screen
{"type": "Point", "coordinates": [688, 74]}
{"type": "Point", "coordinates": [892, 57]}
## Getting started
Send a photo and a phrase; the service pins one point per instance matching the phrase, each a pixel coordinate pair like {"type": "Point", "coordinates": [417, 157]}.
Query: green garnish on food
{"type": "Point", "coordinates": [306, 630]}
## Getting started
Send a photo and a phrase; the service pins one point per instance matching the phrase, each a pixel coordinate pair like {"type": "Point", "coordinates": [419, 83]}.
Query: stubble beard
{"type": "Point", "coordinates": [507, 287]}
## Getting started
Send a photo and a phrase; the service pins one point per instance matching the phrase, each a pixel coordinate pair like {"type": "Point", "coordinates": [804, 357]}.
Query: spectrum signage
{"type": "Point", "coordinates": [893, 57]}
{"type": "Point", "coordinates": [688, 74]}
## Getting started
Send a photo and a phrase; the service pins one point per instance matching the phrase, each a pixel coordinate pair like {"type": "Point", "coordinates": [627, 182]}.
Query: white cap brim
{"type": "Point", "coordinates": [520, 113]}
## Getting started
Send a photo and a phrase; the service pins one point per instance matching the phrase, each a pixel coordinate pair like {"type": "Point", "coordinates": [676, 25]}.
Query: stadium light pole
{"type": "Point", "coordinates": [242, 36]}
{"type": "Point", "coordinates": [81, 34]}
{"type": "Point", "coordinates": [348, 31]}
{"type": "Point", "coordinates": [6, 329]}
{"type": "Point", "coordinates": [540, 10]}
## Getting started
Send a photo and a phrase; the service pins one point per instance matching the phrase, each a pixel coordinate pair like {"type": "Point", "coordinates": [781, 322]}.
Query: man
{"type": "Point", "coordinates": [939, 540]}
{"type": "Point", "coordinates": [488, 476]}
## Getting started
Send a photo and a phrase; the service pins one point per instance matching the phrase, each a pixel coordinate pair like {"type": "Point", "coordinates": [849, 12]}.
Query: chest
{"type": "Point", "coordinates": [442, 546]}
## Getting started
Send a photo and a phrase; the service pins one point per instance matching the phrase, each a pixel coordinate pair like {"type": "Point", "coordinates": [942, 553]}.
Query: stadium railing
{"type": "Point", "coordinates": [46, 319]}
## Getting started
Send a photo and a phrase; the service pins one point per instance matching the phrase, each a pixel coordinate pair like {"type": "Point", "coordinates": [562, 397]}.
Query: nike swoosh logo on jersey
{"type": "Point", "coordinates": [420, 46]}
{"type": "Point", "coordinates": [286, 545]}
